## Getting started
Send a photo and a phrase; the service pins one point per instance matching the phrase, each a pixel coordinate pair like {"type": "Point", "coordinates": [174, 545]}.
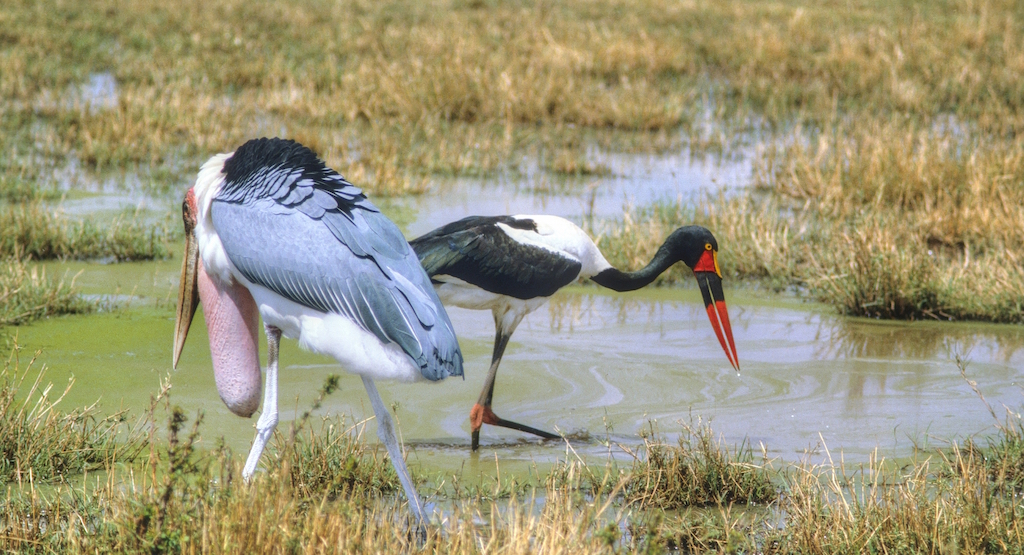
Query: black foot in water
{"type": "Point", "coordinates": [494, 420]}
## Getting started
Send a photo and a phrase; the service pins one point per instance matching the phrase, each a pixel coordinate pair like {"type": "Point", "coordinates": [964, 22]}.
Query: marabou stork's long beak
{"type": "Point", "coordinates": [188, 292]}
{"type": "Point", "coordinates": [709, 278]}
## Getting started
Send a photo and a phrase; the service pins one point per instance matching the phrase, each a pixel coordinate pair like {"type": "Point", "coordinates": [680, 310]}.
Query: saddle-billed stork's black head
{"type": "Point", "coordinates": [696, 247]}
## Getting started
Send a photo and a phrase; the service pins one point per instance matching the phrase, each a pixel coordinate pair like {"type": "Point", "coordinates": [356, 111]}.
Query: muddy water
{"type": "Point", "coordinates": [597, 366]}
{"type": "Point", "coordinates": [634, 181]}
{"type": "Point", "coordinates": [594, 365]}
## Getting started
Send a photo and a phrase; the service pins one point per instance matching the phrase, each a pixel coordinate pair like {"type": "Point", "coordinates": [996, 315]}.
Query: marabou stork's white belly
{"type": "Point", "coordinates": [357, 350]}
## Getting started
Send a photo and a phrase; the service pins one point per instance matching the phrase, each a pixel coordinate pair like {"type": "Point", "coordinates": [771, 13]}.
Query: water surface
{"type": "Point", "coordinates": [588, 364]}
{"type": "Point", "coordinates": [598, 366]}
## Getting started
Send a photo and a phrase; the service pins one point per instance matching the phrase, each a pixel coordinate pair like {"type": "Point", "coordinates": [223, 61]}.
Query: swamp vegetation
{"type": "Point", "coordinates": [886, 136]}
{"type": "Point", "coordinates": [327, 491]}
{"type": "Point", "coordinates": [887, 155]}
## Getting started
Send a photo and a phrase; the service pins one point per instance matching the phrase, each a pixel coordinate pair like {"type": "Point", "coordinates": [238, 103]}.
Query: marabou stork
{"type": "Point", "coordinates": [512, 264]}
{"type": "Point", "coordinates": [271, 231]}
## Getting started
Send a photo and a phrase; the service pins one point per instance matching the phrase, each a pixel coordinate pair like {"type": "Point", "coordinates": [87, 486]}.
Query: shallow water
{"type": "Point", "coordinates": [634, 181]}
{"type": "Point", "coordinates": [588, 362]}
{"type": "Point", "coordinates": [595, 365]}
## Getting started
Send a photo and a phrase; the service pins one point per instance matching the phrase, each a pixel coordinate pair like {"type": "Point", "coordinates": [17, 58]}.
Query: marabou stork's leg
{"type": "Point", "coordinates": [386, 433]}
{"type": "Point", "coordinates": [268, 418]}
{"type": "Point", "coordinates": [482, 413]}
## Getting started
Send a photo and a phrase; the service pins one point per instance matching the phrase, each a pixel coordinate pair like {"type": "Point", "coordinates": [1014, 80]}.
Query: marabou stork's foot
{"type": "Point", "coordinates": [482, 414]}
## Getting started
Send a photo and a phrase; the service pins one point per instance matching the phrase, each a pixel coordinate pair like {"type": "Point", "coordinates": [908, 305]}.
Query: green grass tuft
{"type": "Point", "coordinates": [40, 443]}
{"type": "Point", "coordinates": [35, 230]}
{"type": "Point", "coordinates": [698, 471]}
{"type": "Point", "coordinates": [27, 294]}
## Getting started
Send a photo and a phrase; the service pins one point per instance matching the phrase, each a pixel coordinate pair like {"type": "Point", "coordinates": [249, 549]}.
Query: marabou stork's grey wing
{"type": "Point", "coordinates": [313, 238]}
{"type": "Point", "coordinates": [478, 252]}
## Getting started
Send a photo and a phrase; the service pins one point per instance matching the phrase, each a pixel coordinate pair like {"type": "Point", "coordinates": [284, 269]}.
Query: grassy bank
{"type": "Point", "coordinates": [325, 489]}
{"type": "Point", "coordinates": [392, 91]}
{"type": "Point", "coordinates": [887, 220]}
{"type": "Point", "coordinates": [887, 134]}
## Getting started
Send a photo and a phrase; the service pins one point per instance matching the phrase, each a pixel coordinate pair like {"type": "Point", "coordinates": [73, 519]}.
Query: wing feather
{"type": "Point", "coordinates": [300, 230]}
{"type": "Point", "coordinates": [478, 252]}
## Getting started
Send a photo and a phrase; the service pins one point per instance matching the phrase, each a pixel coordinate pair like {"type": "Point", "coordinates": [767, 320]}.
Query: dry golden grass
{"type": "Point", "coordinates": [181, 499]}
{"type": "Point", "coordinates": [394, 91]}
{"type": "Point", "coordinates": [878, 219]}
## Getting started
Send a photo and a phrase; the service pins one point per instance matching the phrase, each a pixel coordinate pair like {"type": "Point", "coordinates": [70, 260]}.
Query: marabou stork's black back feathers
{"type": "Point", "coordinates": [477, 251]}
{"type": "Point", "coordinates": [298, 228]}
{"type": "Point", "coordinates": [295, 178]}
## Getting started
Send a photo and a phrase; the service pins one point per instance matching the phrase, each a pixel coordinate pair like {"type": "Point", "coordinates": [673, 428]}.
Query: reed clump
{"type": "Point", "coordinates": [39, 443]}
{"type": "Point", "coordinates": [184, 499]}
{"type": "Point", "coordinates": [698, 471]}
{"type": "Point", "coordinates": [26, 294]}
{"type": "Point", "coordinates": [35, 230]}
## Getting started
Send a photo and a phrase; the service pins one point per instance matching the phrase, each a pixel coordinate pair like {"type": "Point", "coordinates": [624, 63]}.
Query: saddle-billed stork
{"type": "Point", "coordinates": [271, 231]}
{"type": "Point", "coordinates": [512, 264]}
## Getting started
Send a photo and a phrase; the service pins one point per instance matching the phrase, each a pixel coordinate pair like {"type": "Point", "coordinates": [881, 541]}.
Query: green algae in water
{"type": "Point", "coordinates": [41, 441]}
{"type": "Point", "coordinates": [27, 293]}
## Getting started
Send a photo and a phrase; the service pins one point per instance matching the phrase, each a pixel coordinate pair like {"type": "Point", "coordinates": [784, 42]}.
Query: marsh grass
{"type": "Point", "coordinates": [698, 471]}
{"type": "Point", "coordinates": [916, 509]}
{"type": "Point", "coordinates": [182, 499]}
{"type": "Point", "coordinates": [401, 90]}
{"type": "Point", "coordinates": [914, 222]}
{"type": "Point", "coordinates": [191, 501]}
{"type": "Point", "coordinates": [26, 294]}
{"type": "Point", "coordinates": [885, 220]}
{"type": "Point", "coordinates": [905, 111]}
{"type": "Point", "coordinates": [35, 230]}
{"type": "Point", "coordinates": [40, 443]}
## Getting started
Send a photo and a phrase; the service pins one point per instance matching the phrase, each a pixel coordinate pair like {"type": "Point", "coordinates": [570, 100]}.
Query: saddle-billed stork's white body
{"type": "Point", "coordinates": [272, 232]}
{"type": "Point", "coordinates": [511, 265]}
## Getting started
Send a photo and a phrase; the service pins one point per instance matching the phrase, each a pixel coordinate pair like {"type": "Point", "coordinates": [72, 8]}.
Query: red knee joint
{"type": "Point", "coordinates": [481, 415]}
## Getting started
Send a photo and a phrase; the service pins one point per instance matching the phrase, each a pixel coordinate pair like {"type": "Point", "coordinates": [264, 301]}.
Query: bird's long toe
{"type": "Point", "coordinates": [482, 414]}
